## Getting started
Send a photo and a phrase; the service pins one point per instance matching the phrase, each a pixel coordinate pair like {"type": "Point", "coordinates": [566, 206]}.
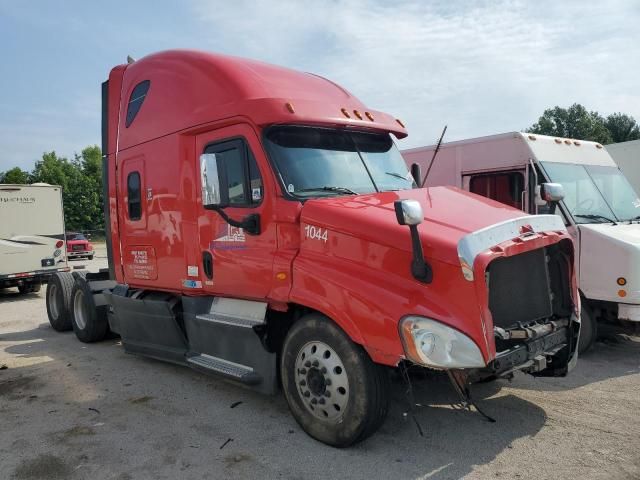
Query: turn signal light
{"type": "Point", "coordinates": [622, 293]}
{"type": "Point", "coordinates": [59, 244]}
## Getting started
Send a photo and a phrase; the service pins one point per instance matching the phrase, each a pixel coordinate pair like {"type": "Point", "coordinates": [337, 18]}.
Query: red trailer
{"type": "Point", "coordinates": [263, 227]}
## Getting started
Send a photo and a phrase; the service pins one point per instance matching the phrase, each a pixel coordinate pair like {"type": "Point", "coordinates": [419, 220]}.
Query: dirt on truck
{"type": "Point", "coordinates": [264, 228]}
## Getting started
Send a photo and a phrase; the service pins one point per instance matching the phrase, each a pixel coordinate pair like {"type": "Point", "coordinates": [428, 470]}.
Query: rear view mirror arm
{"type": "Point", "coordinates": [250, 223]}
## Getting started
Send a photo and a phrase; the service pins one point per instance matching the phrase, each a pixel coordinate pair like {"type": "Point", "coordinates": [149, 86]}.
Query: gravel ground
{"type": "Point", "coordinates": [70, 410]}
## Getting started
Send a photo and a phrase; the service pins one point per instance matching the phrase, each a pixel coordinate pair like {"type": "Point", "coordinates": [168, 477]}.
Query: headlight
{"type": "Point", "coordinates": [433, 344]}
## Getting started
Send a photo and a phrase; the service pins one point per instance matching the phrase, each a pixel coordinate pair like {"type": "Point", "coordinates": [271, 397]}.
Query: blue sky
{"type": "Point", "coordinates": [480, 67]}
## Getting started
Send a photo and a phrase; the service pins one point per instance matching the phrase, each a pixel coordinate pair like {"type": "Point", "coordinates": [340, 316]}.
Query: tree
{"type": "Point", "coordinates": [573, 122]}
{"type": "Point", "coordinates": [15, 175]}
{"type": "Point", "coordinates": [623, 128]}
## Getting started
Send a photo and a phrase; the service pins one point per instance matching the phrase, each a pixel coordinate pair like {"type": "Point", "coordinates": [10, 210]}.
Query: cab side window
{"type": "Point", "coordinates": [243, 175]}
{"type": "Point", "coordinates": [504, 187]}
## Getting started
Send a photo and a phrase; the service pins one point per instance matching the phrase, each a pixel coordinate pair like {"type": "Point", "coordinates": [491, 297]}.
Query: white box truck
{"type": "Point", "coordinates": [32, 244]}
{"type": "Point", "coordinates": [600, 207]}
{"type": "Point", "coordinates": [627, 156]}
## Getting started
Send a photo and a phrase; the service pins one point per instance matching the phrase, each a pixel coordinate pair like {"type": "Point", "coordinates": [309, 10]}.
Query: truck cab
{"type": "Point", "coordinates": [600, 207]}
{"type": "Point", "coordinates": [264, 228]}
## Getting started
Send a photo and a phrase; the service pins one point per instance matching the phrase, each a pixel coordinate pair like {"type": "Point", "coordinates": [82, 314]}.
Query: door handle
{"type": "Point", "coordinates": [207, 264]}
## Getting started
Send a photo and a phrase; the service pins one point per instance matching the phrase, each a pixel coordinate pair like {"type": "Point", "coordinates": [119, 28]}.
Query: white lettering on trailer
{"type": "Point", "coordinates": [316, 233]}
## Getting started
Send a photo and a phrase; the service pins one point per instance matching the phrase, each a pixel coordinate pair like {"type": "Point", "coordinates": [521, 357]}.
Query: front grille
{"type": "Point", "coordinates": [78, 247]}
{"type": "Point", "coordinates": [519, 289]}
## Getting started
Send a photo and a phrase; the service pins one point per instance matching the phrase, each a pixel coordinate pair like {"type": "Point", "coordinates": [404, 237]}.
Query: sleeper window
{"type": "Point", "coordinates": [133, 195]}
{"type": "Point", "coordinates": [136, 99]}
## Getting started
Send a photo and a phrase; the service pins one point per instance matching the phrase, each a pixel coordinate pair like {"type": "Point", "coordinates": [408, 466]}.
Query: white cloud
{"type": "Point", "coordinates": [482, 67]}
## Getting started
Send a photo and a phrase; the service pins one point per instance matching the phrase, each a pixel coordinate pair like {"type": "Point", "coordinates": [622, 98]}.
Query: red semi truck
{"type": "Point", "coordinates": [263, 227]}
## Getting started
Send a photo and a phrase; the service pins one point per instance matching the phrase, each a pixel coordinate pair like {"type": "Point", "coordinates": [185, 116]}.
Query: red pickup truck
{"type": "Point", "coordinates": [78, 246]}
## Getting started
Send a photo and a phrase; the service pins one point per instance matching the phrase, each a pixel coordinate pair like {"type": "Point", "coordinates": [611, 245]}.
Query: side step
{"type": "Point", "coordinates": [234, 371]}
{"type": "Point", "coordinates": [234, 312]}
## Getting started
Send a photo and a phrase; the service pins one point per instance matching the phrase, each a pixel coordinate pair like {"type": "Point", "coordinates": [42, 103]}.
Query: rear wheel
{"type": "Point", "coordinates": [588, 328]}
{"type": "Point", "coordinates": [89, 323]}
{"type": "Point", "coordinates": [58, 298]}
{"type": "Point", "coordinates": [334, 391]}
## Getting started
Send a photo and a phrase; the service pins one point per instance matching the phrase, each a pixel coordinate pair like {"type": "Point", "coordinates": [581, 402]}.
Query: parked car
{"type": "Point", "coordinates": [78, 245]}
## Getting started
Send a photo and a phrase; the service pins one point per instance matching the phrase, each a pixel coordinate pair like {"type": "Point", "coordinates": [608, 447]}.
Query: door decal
{"type": "Point", "coordinates": [229, 238]}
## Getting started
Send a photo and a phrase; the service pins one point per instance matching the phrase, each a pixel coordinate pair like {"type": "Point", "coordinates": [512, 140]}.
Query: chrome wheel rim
{"type": "Point", "coordinates": [79, 312]}
{"type": "Point", "coordinates": [322, 381]}
{"type": "Point", "coordinates": [53, 301]}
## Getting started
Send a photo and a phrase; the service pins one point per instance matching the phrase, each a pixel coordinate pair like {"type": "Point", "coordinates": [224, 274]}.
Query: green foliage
{"type": "Point", "coordinates": [623, 128]}
{"type": "Point", "coordinates": [81, 182]}
{"type": "Point", "coordinates": [16, 176]}
{"type": "Point", "coordinates": [577, 122]}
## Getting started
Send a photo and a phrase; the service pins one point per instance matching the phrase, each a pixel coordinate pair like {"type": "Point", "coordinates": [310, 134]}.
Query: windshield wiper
{"type": "Point", "coordinates": [631, 220]}
{"type": "Point", "coordinates": [397, 175]}
{"type": "Point", "coordinates": [591, 216]}
{"type": "Point", "coordinates": [328, 189]}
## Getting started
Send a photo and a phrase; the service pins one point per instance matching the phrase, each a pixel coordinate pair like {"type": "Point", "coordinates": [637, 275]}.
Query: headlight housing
{"type": "Point", "coordinates": [433, 344]}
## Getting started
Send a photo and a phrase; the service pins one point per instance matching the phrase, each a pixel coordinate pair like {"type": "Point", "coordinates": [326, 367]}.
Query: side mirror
{"type": "Point", "coordinates": [213, 177]}
{"type": "Point", "coordinates": [416, 174]}
{"type": "Point", "coordinates": [551, 192]}
{"type": "Point", "coordinates": [409, 212]}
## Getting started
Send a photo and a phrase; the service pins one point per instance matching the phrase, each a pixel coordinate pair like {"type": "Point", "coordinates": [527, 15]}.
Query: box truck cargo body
{"type": "Point", "coordinates": [600, 208]}
{"type": "Point", "coordinates": [31, 235]}
{"type": "Point", "coordinates": [262, 227]}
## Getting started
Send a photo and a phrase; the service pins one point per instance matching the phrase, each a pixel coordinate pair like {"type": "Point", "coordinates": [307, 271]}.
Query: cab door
{"type": "Point", "coordinates": [234, 262]}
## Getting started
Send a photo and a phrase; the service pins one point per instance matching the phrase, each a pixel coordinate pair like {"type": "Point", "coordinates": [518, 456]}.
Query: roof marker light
{"type": "Point", "coordinates": [531, 137]}
{"type": "Point", "coordinates": [345, 112]}
{"type": "Point", "coordinates": [568, 142]}
{"type": "Point", "coordinates": [357, 114]}
{"type": "Point", "coordinates": [369, 116]}
{"type": "Point", "coordinates": [290, 107]}
{"type": "Point", "coordinates": [557, 140]}
{"type": "Point", "coordinates": [598, 145]}
{"type": "Point", "coordinates": [577, 144]}
{"type": "Point", "coordinates": [400, 123]}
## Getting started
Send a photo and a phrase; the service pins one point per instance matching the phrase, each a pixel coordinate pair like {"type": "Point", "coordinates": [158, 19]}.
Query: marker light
{"type": "Point", "coordinates": [622, 293]}
{"type": "Point", "coordinates": [557, 140]}
{"type": "Point", "coordinates": [357, 114]}
{"type": "Point", "coordinates": [568, 142]}
{"type": "Point", "coordinates": [400, 122]}
{"type": "Point", "coordinates": [531, 137]}
{"type": "Point", "coordinates": [621, 281]}
{"type": "Point", "coordinates": [345, 112]}
{"type": "Point", "coordinates": [59, 244]}
{"type": "Point", "coordinates": [369, 116]}
{"type": "Point", "coordinates": [289, 107]}
{"type": "Point", "coordinates": [433, 344]}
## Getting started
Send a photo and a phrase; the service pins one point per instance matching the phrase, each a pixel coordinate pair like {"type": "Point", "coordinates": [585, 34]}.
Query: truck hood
{"type": "Point", "coordinates": [608, 252]}
{"type": "Point", "coordinates": [449, 215]}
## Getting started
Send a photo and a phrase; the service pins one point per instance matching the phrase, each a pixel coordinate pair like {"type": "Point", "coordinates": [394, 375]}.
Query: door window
{"type": "Point", "coordinates": [243, 175]}
{"type": "Point", "coordinates": [504, 187]}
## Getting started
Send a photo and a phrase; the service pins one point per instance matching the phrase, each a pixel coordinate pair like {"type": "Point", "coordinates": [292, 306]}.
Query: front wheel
{"type": "Point", "coordinates": [588, 328]}
{"type": "Point", "coordinates": [334, 391]}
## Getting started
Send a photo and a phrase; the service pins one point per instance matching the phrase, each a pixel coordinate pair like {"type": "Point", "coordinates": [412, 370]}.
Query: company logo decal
{"type": "Point", "coordinates": [229, 238]}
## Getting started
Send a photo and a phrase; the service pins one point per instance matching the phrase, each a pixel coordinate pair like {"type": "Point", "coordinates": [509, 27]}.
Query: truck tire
{"type": "Point", "coordinates": [334, 391]}
{"type": "Point", "coordinates": [588, 328]}
{"type": "Point", "coordinates": [89, 322]}
{"type": "Point", "coordinates": [58, 298]}
{"type": "Point", "coordinates": [90, 257]}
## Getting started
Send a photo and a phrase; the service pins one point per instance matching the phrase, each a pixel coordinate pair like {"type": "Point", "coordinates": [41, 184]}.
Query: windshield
{"type": "Point", "coordinates": [323, 161]}
{"type": "Point", "coordinates": [75, 236]}
{"type": "Point", "coordinates": [595, 193]}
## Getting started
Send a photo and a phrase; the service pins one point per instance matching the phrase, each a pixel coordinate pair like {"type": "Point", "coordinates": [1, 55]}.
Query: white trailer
{"type": "Point", "coordinates": [600, 207]}
{"type": "Point", "coordinates": [32, 245]}
{"type": "Point", "coordinates": [627, 156]}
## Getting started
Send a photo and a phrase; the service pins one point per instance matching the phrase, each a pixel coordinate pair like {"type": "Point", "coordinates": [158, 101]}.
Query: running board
{"type": "Point", "coordinates": [220, 366]}
{"type": "Point", "coordinates": [235, 321]}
